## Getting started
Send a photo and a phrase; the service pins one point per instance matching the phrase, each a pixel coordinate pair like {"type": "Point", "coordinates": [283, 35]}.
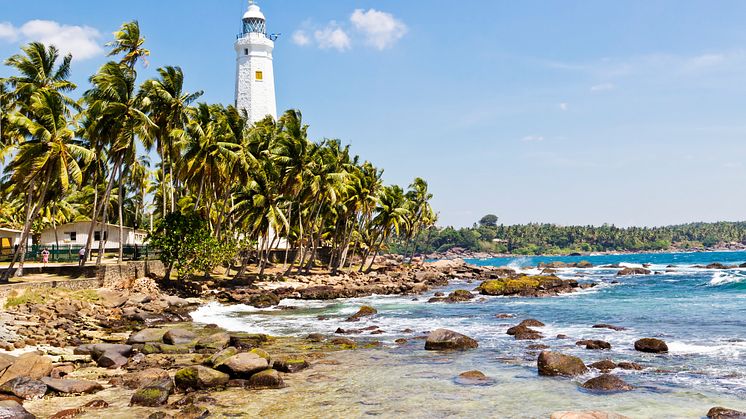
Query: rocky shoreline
{"type": "Point", "coordinates": [84, 353]}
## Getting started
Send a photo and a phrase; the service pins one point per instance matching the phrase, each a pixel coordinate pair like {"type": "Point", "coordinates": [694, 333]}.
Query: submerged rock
{"type": "Point", "coordinates": [651, 345]}
{"type": "Point", "coordinates": [724, 413]}
{"type": "Point", "coordinates": [629, 366]}
{"type": "Point", "coordinates": [365, 311]}
{"type": "Point", "coordinates": [473, 377]}
{"type": "Point", "coordinates": [608, 326]}
{"type": "Point", "coordinates": [553, 364]}
{"type": "Point", "coordinates": [444, 339]}
{"type": "Point", "coordinates": [607, 382]}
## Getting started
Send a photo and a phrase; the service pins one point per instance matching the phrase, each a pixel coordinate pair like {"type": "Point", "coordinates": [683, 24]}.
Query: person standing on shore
{"type": "Point", "coordinates": [45, 256]}
{"type": "Point", "coordinates": [81, 256]}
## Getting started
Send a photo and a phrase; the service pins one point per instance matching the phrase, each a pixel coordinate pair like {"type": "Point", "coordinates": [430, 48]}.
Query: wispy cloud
{"type": "Point", "coordinates": [300, 37]}
{"type": "Point", "coordinates": [83, 42]}
{"type": "Point", "coordinates": [603, 87]}
{"type": "Point", "coordinates": [563, 106]}
{"type": "Point", "coordinates": [380, 29]}
{"type": "Point", "coordinates": [532, 138]}
{"type": "Point", "coordinates": [332, 36]}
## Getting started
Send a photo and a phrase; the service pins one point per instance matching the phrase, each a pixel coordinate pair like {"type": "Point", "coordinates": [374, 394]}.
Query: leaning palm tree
{"type": "Point", "coordinates": [49, 157]}
{"type": "Point", "coordinates": [128, 42]}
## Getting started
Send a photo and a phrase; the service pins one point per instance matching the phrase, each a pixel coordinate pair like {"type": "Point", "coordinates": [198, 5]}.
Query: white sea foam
{"type": "Point", "coordinates": [724, 277]}
{"type": "Point", "coordinates": [732, 350]}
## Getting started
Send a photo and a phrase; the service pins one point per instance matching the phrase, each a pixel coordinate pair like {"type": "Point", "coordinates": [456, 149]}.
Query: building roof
{"type": "Point", "coordinates": [10, 230]}
{"type": "Point", "coordinates": [97, 223]}
{"type": "Point", "coordinates": [254, 12]}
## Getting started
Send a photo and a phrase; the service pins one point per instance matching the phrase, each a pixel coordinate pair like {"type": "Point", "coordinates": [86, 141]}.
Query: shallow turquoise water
{"type": "Point", "coordinates": [700, 313]}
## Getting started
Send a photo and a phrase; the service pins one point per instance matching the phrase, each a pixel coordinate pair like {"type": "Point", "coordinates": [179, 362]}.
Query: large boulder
{"type": "Point", "coordinates": [179, 337]}
{"type": "Point", "coordinates": [553, 364]}
{"type": "Point", "coordinates": [651, 345]}
{"type": "Point", "coordinates": [146, 336]}
{"type": "Point", "coordinates": [607, 383]}
{"type": "Point", "coordinates": [198, 377]}
{"type": "Point", "coordinates": [218, 358]}
{"type": "Point", "coordinates": [25, 388]}
{"type": "Point", "coordinates": [444, 339]}
{"type": "Point", "coordinates": [590, 414]}
{"type": "Point", "coordinates": [244, 364]}
{"type": "Point", "coordinates": [266, 379]}
{"type": "Point", "coordinates": [72, 386]}
{"type": "Point", "coordinates": [106, 355]}
{"type": "Point", "coordinates": [28, 365]}
{"type": "Point", "coordinates": [150, 396]}
{"type": "Point", "coordinates": [147, 378]}
{"type": "Point", "coordinates": [214, 342]}
{"type": "Point", "coordinates": [13, 410]}
{"type": "Point", "coordinates": [633, 271]}
{"type": "Point", "coordinates": [365, 311]}
{"type": "Point", "coordinates": [724, 413]}
{"type": "Point", "coordinates": [459, 296]}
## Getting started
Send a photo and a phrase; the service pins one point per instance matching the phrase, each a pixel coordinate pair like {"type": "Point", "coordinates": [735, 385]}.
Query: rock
{"type": "Point", "coordinates": [590, 414]}
{"type": "Point", "coordinates": [111, 298]}
{"type": "Point", "coordinates": [68, 413]}
{"type": "Point", "coordinates": [25, 388]}
{"type": "Point", "coordinates": [244, 364]}
{"type": "Point", "coordinates": [724, 413]}
{"type": "Point", "coordinates": [111, 360]}
{"type": "Point", "coordinates": [608, 326]}
{"type": "Point", "coordinates": [96, 404]}
{"type": "Point", "coordinates": [107, 355]}
{"type": "Point", "coordinates": [160, 415]}
{"type": "Point", "coordinates": [605, 365]}
{"type": "Point", "coordinates": [266, 379]}
{"type": "Point", "coordinates": [607, 382]}
{"type": "Point", "coordinates": [473, 377]}
{"type": "Point", "coordinates": [28, 365]}
{"type": "Point", "coordinates": [146, 336]}
{"type": "Point", "coordinates": [246, 341]}
{"type": "Point", "coordinates": [179, 337]}
{"type": "Point", "coordinates": [198, 378]}
{"type": "Point", "coordinates": [528, 286]}
{"type": "Point", "coordinates": [504, 316]}
{"type": "Point", "coordinates": [13, 410]}
{"type": "Point", "coordinates": [633, 271]}
{"type": "Point", "coordinates": [651, 345]}
{"type": "Point", "coordinates": [150, 377]}
{"type": "Point", "coordinates": [459, 296]}
{"type": "Point", "coordinates": [629, 366]}
{"type": "Point", "coordinates": [555, 364]}
{"type": "Point", "coordinates": [315, 337]}
{"type": "Point", "coordinates": [537, 347]}
{"type": "Point", "coordinates": [261, 352]}
{"type": "Point", "coordinates": [531, 323]}
{"type": "Point", "coordinates": [150, 397]}
{"type": "Point", "coordinates": [344, 342]}
{"type": "Point", "coordinates": [290, 365]}
{"type": "Point", "coordinates": [174, 301]}
{"type": "Point", "coordinates": [365, 311]}
{"type": "Point", "coordinates": [522, 332]}
{"type": "Point", "coordinates": [194, 412]}
{"type": "Point", "coordinates": [72, 386]}
{"type": "Point", "coordinates": [215, 341]}
{"type": "Point", "coordinates": [444, 339]}
{"type": "Point", "coordinates": [220, 357]}
{"type": "Point", "coordinates": [594, 344]}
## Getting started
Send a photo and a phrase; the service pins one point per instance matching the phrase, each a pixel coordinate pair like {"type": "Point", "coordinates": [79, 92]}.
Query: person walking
{"type": "Point", "coordinates": [45, 256]}
{"type": "Point", "coordinates": [81, 256]}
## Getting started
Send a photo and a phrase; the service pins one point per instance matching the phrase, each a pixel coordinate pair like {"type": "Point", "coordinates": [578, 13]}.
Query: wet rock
{"type": "Point", "coordinates": [605, 365]}
{"type": "Point", "coordinates": [150, 397]}
{"type": "Point", "coordinates": [146, 336]}
{"type": "Point", "coordinates": [179, 337]}
{"type": "Point", "coordinates": [607, 383]}
{"type": "Point", "coordinates": [266, 379]}
{"type": "Point", "coordinates": [315, 337]}
{"type": "Point", "coordinates": [608, 326]}
{"type": "Point", "coordinates": [13, 410]}
{"type": "Point", "coordinates": [290, 365]}
{"type": "Point", "coordinates": [594, 344]}
{"type": "Point", "coordinates": [557, 364]}
{"type": "Point", "coordinates": [459, 296]}
{"type": "Point", "coordinates": [147, 378]}
{"type": "Point", "coordinates": [198, 378]}
{"type": "Point", "coordinates": [444, 339]}
{"type": "Point", "coordinates": [72, 386]}
{"type": "Point", "coordinates": [25, 388]}
{"type": "Point", "coordinates": [96, 404]}
{"type": "Point", "coordinates": [589, 414]}
{"type": "Point", "coordinates": [214, 342]}
{"type": "Point", "coordinates": [537, 347]}
{"type": "Point", "coordinates": [244, 364]}
{"type": "Point", "coordinates": [473, 377]}
{"type": "Point", "coordinates": [724, 413]}
{"type": "Point", "coordinates": [401, 341]}
{"type": "Point", "coordinates": [522, 332]}
{"type": "Point", "coordinates": [531, 323]}
{"type": "Point", "coordinates": [365, 311]}
{"type": "Point", "coordinates": [248, 341]}
{"type": "Point", "coordinates": [344, 342]}
{"type": "Point", "coordinates": [528, 286]}
{"type": "Point", "coordinates": [28, 365]}
{"type": "Point", "coordinates": [562, 336]}
{"type": "Point", "coordinates": [633, 271]}
{"type": "Point", "coordinates": [651, 345]}
{"type": "Point", "coordinates": [194, 412]}
{"type": "Point", "coordinates": [504, 316]}
{"type": "Point", "coordinates": [629, 366]}
{"type": "Point", "coordinates": [160, 415]}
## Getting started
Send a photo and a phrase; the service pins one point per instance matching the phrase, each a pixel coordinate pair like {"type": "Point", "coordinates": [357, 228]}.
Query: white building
{"type": "Point", "coordinates": [255, 77]}
{"type": "Point", "coordinates": [9, 238]}
{"type": "Point", "coordinates": [76, 234]}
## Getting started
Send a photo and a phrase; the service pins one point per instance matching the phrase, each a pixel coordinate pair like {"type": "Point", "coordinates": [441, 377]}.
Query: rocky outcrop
{"type": "Point", "coordinates": [651, 345]}
{"type": "Point", "coordinates": [364, 311]}
{"type": "Point", "coordinates": [553, 364]}
{"type": "Point", "coordinates": [606, 383]}
{"type": "Point", "coordinates": [724, 413]}
{"type": "Point", "coordinates": [633, 271]}
{"type": "Point", "coordinates": [444, 339]}
{"type": "Point", "coordinates": [528, 286]}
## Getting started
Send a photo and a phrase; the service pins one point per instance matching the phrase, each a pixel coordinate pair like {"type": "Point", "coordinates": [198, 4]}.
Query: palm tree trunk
{"type": "Point", "coordinates": [97, 211]}
{"type": "Point", "coordinates": [121, 216]}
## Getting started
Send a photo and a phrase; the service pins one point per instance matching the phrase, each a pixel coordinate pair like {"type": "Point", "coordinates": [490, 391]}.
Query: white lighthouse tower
{"type": "Point", "coordinates": [255, 77]}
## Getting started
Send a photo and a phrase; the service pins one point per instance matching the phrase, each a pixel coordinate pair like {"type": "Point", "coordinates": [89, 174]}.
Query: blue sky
{"type": "Point", "coordinates": [572, 112]}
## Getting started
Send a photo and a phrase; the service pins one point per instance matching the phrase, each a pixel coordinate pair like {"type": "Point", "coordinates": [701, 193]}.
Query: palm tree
{"type": "Point", "coordinates": [129, 43]}
{"type": "Point", "coordinates": [391, 215]}
{"type": "Point", "coordinates": [38, 69]}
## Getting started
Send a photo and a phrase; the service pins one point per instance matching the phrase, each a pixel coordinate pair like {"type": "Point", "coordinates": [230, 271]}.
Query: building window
{"type": "Point", "coordinates": [259, 76]}
{"type": "Point", "coordinates": [73, 235]}
{"type": "Point", "coordinates": [245, 51]}
{"type": "Point", "coordinates": [97, 235]}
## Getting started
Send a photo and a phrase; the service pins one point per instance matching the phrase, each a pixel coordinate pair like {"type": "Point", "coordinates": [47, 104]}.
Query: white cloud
{"type": "Point", "coordinates": [381, 29]}
{"type": "Point", "coordinates": [564, 106]}
{"type": "Point", "coordinates": [532, 138]}
{"type": "Point", "coordinates": [301, 38]}
{"type": "Point", "coordinates": [603, 87]}
{"type": "Point", "coordinates": [8, 32]}
{"type": "Point", "coordinates": [80, 41]}
{"type": "Point", "coordinates": [332, 36]}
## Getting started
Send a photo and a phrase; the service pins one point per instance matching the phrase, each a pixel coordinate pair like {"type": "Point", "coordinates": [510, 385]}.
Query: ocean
{"type": "Point", "coordinates": [700, 313]}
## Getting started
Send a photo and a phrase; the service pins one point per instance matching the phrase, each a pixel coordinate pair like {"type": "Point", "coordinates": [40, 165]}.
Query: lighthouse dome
{"type": "Point", "coordinates": [254, 12]}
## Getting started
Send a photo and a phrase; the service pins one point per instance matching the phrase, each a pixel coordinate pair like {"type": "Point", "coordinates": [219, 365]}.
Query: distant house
{"type": "Point", "coordinates": [76, 234]}
{"type": "Point", "coordinates": [9, 238]}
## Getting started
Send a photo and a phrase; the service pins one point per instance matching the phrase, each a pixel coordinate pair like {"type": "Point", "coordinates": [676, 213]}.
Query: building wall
{"type": "Point", "coordinates": [257, 97]}
{"type": "Point", "coordinates": [81, 236]}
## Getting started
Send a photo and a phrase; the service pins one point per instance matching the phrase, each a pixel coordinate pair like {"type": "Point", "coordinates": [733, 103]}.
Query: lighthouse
{"type": "Point", "coordinates": [255, 77]}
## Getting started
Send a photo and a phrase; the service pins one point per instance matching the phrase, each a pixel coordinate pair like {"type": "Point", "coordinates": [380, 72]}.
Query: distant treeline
{"type": "Point", "coordinates": [487, 235]}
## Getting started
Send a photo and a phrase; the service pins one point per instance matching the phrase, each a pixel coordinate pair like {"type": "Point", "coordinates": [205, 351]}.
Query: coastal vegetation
{"type": "Point", "coordinates": [530, 239]}
{"type": "Point", "coordinates": [144, 153]}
